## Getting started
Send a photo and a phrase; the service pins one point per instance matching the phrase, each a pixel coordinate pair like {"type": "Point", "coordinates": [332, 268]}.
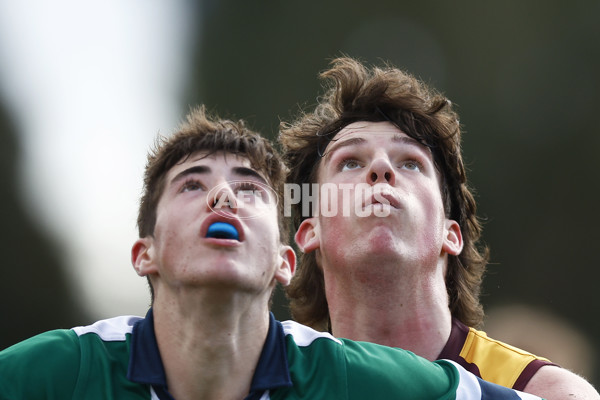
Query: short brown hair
{"type": "Point", "coordinates": [211, 135]}
{"type": "Point", "coordinates": [357, 93]}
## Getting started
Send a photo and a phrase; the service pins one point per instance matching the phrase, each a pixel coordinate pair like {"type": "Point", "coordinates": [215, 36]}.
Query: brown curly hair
{"type": "Point", "coordinates": [354, 92]}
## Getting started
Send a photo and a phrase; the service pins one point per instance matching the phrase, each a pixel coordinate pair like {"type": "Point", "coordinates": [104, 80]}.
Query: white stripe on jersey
{"type": "Point", "coordinates": [303, 335]}
{"type": "Point", "coordinates": [112, 329]}
{"type": "Point", "coordinates": [468, 385]}
{"type": "Point", "coordinates": [472, 387]}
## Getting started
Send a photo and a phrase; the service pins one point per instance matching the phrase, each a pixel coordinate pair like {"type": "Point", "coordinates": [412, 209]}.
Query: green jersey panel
{"type": "Point", "coordinates": [32, 368]}
{"type": "Point", "coordinates": [323, 367]}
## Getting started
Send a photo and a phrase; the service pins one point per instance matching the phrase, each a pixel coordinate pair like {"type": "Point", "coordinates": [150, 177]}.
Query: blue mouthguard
{"type": "Point", "coordinates": [222, 230]}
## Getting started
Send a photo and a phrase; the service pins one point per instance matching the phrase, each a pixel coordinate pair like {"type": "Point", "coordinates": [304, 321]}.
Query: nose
{"type": "Point", "coordinates": [223, 199]}
{"type": "Point", "coordinates": [381, 171]}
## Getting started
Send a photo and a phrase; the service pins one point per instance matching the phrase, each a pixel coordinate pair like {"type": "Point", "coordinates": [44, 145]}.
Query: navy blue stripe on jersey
{"type": "Point", "coordinates": [145, 364]}
{"type": "Point", "coordinates": [272, 368]}
{"type": "Point", "coordinates": [491, 391]}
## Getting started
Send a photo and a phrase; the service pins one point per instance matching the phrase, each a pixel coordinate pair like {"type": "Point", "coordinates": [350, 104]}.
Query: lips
{"type": "Point", "coordinates": [218, 227]}
{"type": "Point", "coordinates": [385, 197]}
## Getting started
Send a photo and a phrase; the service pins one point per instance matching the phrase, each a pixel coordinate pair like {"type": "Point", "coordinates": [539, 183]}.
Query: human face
{"type": "Point", "coordinates": [202, 190]}
{"type": "Point", "coordinates": [400, 181]}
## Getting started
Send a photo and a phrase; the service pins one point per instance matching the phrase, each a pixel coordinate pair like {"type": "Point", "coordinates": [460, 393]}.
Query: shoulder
{"type": "Point", "coordinates": [51, 358]}
{"type": "Point", "coordinates": [304, 336]}
{"type": "Point", "coordinates": [111, 329]}
{"type": "Point", "coordinates": [106, 339]}
{"type": "Point", "coordinates": [315, 364]}
{"type": "Point", "coordinates": [354, 354]}
{"type": "Point", "coordinates": [59, 360]}
{"type": "Point", "coordinates": [364, 370]}
{"type": "Point", "coordinates": [500, 362]}
{"type": "Point", "coordinates": [47, 348]}
{"type": "Point", "coordinates": [306, 347]}
{"type": "Point", "coordinates": [552, 382]}
{"type": "Point", "coordinates": [497, 348]}
{"type": "Point", "coordinates": [510, 366]}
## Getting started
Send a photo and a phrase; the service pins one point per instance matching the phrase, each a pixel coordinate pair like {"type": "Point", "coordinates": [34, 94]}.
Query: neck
{"type": "Point", "coordinates": [397, 309]}
{"type": "Point", "coordinates": [203, 342]}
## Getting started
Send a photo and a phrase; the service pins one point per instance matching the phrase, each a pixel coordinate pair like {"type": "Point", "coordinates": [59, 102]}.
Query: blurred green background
{"type": "Point", "coordinates": [524, 76]}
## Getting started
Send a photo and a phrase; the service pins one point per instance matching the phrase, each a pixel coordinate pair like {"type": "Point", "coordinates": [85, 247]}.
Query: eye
{"type": "Point", "coordinates": [191, 185]}
{"type": "Point", "coordinates": [411, 165]}
{"type": "Point", "coordinates": [247, 186]}
{"type": "Point", "coordinates": [347, 165]}
{"type": "Point", "coordinates": [247, 189]}
{"type": "Point", "coordinates": [252, 192]}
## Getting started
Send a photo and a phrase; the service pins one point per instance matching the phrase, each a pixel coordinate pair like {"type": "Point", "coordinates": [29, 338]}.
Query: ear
{"type": "Point", "coordinates": [453, 242]}
{"type": "Point", "coordinates": [307, 236]}
{"type": "Point", "coordinates": [287, 265]}
{"type": "Point", "coordinates": [141, 257]}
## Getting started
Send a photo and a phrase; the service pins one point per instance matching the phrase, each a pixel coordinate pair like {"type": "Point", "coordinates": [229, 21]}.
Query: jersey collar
{"type": "Point", "coordinates": [146, 367]}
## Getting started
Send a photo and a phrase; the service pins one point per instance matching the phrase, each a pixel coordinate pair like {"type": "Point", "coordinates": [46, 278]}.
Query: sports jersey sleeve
{"type": "Point", "coordinates": [381, 372]}
{"type": "Point", "coordinates": [45, 366]}
{"type": "Point", "coordinates": [401, 373]}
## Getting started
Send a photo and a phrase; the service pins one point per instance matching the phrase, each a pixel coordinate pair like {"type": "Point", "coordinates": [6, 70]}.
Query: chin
{"type": "Point", "coordinates": [382, 237]}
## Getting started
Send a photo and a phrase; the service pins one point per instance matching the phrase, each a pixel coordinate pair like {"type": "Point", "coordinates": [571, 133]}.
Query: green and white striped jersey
{"type": "Point", "coordinates": [118, 359]}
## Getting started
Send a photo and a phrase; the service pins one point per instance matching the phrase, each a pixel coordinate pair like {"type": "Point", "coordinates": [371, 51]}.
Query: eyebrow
{"type": "Point", "coordinates": [203, 169]}
{"type": "Point", "coordinates": [360, 140]}
{"type": "Point", "coordinates": [245, 171]}
{"type": "Point", "coordinates": [344, 143]}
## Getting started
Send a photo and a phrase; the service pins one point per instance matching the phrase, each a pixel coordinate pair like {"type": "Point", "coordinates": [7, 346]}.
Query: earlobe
{"type": "Point", "coordinates": [141, 257]}
{"type": "Point", "coordinates": [453, 242]}
{"type": "Point", "coordinates": [287, 266]}
{"type": "Point", "coordinates": [307, 236]}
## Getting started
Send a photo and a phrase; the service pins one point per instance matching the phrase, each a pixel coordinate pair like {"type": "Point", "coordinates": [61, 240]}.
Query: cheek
{"type": "Point", "coordinates": [171, 232]}
{"type": "Point", "coordinates": [430, 198]}
{"type": "Point", "coordinates": [263, 232]}
{"type": "Point", "coordinates": [432, 226]}
{"type": "Point", "coordinates": [336, 234]}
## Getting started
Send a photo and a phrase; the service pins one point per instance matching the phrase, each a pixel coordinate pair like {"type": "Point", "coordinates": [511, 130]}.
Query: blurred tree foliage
{"type": "Point", "coordinates": [524, 76]}
{"type": "Point", "coordinates": [34, 289]}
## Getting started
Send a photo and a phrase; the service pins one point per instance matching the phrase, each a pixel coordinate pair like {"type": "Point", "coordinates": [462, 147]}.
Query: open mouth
{"type": "Point", "coordinates": [222, 230]}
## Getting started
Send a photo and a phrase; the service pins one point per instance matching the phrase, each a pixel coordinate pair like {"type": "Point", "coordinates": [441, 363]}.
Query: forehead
{"type": "Point", "coordinates": [378, 134]}
{"type": "Point", "coordinates": [367, 129]}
